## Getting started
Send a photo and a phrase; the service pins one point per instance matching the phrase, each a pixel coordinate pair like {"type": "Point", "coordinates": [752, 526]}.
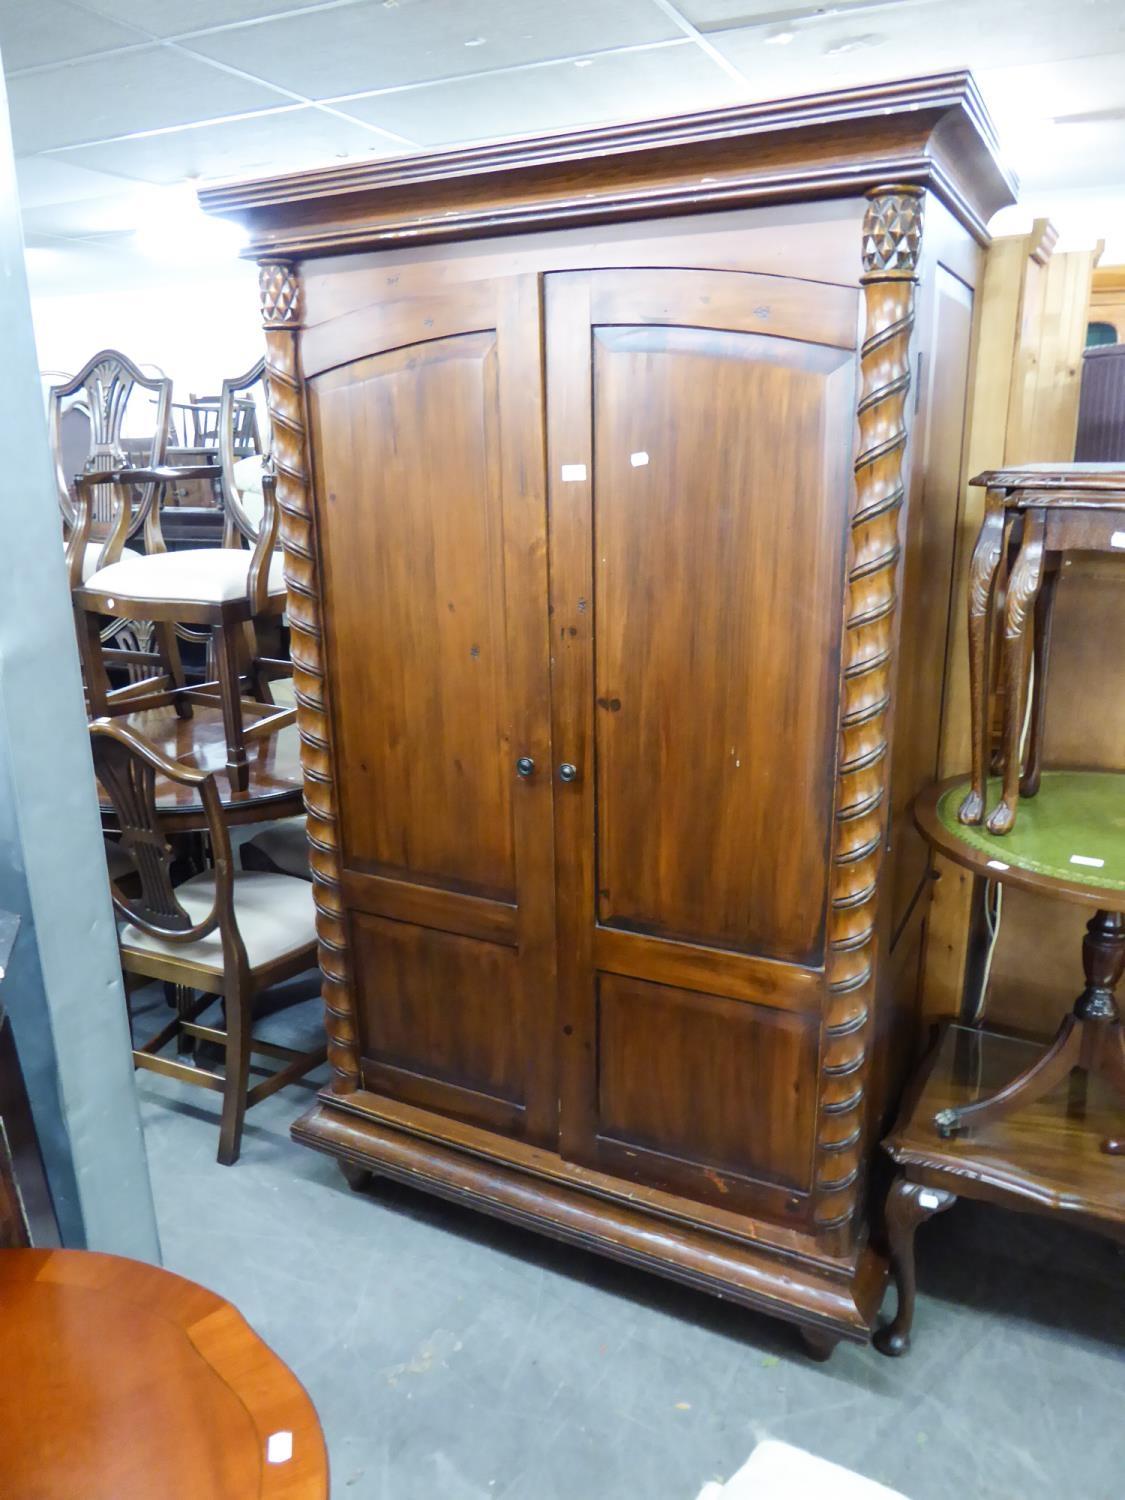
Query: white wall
{"type": "Point", "coordinates": [197, 323]}
{"type": "Point", "coordinates": [1082, 218]}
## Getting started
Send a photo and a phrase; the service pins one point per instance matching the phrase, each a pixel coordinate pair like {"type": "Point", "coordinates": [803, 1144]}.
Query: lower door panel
{"type": "Point", "coordinates": [703, 1095]}
{"type": "Point", "coordinates": [700, 426]}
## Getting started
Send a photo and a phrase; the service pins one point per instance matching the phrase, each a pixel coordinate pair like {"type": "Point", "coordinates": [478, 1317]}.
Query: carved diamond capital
{"type": "Point", "coordinates": [280, 291]}
{"type": "Point", "coordinates": [892, 230]}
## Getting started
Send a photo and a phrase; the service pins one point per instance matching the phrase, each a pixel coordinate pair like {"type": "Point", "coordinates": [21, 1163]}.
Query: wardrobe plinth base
{"type": "Point", "coordinates": [829, 1300]}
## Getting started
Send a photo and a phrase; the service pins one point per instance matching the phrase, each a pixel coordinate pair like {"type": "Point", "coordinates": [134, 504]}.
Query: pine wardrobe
{"type": "Point", "coordinates": [620, 476]}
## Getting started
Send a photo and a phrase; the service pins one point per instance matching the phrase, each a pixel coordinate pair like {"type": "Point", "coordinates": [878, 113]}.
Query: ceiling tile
{"type": "Point", "coordinates": [714, 15]}
{"type": "Point", "coordinates": [1047, 90]}
{"type": "Point", "coordinates": [33, 32]}
{"type": "Point", "coordinates": [146, 89]}
{"type": "Point", "coordinates": [1061, 123]}
{"type": "Point", "coordinates": [252, 147]}
{"type": "Point", "coordinates": [114, 213]}
{"type": "Point", "coordinates": [1064, 157]}
{"type": "Point", "coordinates": [174, 17]}
{"type": "Point", "coordinates": [613, 86]}
{"type": "Point", "coordinates": [880, 42]}
{"type": "Point", "coordinates": [379, 44]}
{"type": "Point", "coordinates": [50, 179]}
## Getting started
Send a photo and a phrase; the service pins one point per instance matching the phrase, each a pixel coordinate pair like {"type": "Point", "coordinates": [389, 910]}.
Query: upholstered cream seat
{"type": "Point", "coordinates": [274, 913]}
{"type": "Point", "coordinates": [92, 556]}
{"type": "Point", "coordinates": [200, 575]}
{"type": "Point", "coordinates": [246, 474]}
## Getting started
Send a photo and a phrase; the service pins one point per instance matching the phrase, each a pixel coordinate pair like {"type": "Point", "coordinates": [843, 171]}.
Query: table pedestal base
{"type": "Point", "coordinates": [1092, 1037]}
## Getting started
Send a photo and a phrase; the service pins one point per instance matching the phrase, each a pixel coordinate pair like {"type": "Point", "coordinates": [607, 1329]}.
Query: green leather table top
{"type": "Point", "coordinates": [1073, 831]}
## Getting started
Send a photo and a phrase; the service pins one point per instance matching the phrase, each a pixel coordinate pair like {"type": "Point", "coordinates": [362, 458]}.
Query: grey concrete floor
{"type": "Point", "coordinates": [456, 1357]}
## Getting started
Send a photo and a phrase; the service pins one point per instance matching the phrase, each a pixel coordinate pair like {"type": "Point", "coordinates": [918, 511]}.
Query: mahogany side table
{"type": "Point", "coordinates": [1053, 509]}
{"type": "Point", "coordinates": [1006, 1120]}
{"type": "Point", "coordinates": [124, 1382]}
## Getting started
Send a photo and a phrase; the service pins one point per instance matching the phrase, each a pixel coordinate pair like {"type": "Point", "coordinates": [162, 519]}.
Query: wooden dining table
{"type": "Point", "coordinates": [275, 788]}
{"type": "Point", "coordinates": [125, 1382]}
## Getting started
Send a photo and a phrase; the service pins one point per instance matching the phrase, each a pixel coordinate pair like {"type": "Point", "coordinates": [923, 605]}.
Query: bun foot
{"type": "Point", "coordinates": [818, 1344]}
{"type": "Point", "coordinates": [357, 1178]}
{"type": "Point", "coordinates": [971, 809]}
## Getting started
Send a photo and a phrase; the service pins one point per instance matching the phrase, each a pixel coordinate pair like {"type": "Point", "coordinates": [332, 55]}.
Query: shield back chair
{"type": "Point", "coordinates": [243, 420]}
{"type": "Point", "coordinates": [242, 454]}
{"type": "Point", "coordinates": [222, 589]}
{"type": "Point", "coordinates": [104, 392]}
{"type": "Point", "coordinates": [221, 933]}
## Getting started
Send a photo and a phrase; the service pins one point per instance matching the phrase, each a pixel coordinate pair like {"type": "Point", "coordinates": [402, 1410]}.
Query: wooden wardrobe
{"type": "Point", "coordinates": [620, 474]}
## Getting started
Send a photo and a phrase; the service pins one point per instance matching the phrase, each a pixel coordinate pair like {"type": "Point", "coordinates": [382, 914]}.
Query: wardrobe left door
{"type": "Point", "coordinates": [426, 431]}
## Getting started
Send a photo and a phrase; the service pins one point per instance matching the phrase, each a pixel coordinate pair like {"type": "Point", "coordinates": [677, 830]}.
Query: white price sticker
{"type": "Point", "coordinates": [279, 1447]}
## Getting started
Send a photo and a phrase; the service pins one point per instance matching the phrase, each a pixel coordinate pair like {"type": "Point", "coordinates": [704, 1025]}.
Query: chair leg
{"type": "Point", "coordinates": [237, 1079]}
{"type": "Point", "coordinates": [256, 672]}
{"type": "Point", "coordinates": [171, 661]}
{"type": "Point", "coordinates": [230, 692]}
{"type": "Point", "coordinates": [93, 662]}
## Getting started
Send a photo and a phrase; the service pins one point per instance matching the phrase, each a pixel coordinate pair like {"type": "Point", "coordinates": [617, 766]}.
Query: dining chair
{"type": "Point", "coordinates": [92, 406]}
{"type": "Point", "coordinates": [242, 452]}
{"type": "Point", "coordinates": [223, 589]}
{"type": "Point", "coordinates": [221, 932]}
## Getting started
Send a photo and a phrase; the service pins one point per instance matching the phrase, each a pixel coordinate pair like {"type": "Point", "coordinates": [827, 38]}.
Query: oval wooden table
{"type": "Point", "coordinates": [124, 1382]}
{"type": "Point", "coordinates": [275, 789]}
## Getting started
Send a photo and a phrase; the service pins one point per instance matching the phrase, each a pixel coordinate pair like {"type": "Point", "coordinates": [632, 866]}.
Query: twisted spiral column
{"type": "Point", "coordinates": [280, 289]}
{"type": "Point", "coordinates": [891, 241]}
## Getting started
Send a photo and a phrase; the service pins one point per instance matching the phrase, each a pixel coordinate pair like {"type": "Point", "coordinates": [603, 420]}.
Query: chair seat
{"type": "Point", "coordinates": [198, 575]}
{"type": "Point", "coordinates": [285, 845]}
{"type": "Point", "coordinates": [247, 475]}
{"type": "Point", "coordinates": [91, 555]}
{"type": "Point", "coordinates": [275, 915]}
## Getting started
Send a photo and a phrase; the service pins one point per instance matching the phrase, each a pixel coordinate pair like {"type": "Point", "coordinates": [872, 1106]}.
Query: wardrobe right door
{"type": "Point", "coordinates": [700, 440]}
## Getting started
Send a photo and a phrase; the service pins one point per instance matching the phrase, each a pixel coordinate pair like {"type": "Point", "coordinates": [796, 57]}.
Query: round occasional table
{"type": "Point", "coordinates": [987, 1116]}
{"type": "Point", "coordinates": [275, 789]}
{"type": "Point", "coordinates": [124, 1382]}
{"type": "Point", "coordinates": [1069, 842]}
